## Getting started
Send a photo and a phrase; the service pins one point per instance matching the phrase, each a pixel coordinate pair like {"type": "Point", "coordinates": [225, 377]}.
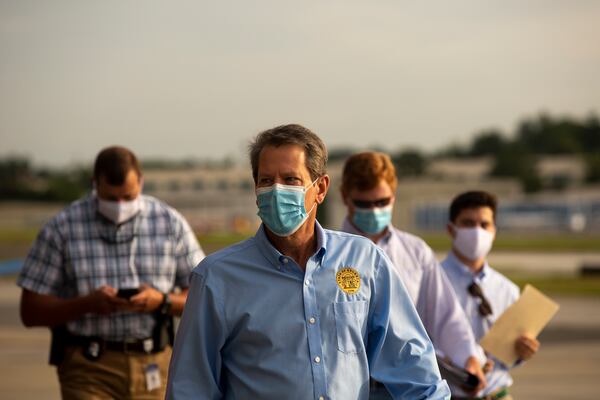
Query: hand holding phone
{"type": "Point", "coordinates": [126, 293]}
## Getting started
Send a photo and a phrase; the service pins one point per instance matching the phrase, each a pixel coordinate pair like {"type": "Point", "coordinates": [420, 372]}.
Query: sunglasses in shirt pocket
{"type": "Point", "coordinates": [350, 323]}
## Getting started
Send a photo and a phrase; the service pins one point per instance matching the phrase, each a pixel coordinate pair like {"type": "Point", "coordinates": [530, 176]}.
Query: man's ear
{"type": "Point", "coordinates": [323, 187]}
{"type": "Point", "coordinates": [450, 229]}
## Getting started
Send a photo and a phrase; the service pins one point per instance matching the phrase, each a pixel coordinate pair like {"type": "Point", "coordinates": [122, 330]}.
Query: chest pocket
{"type": "Point", "coordinates": [350, 319]}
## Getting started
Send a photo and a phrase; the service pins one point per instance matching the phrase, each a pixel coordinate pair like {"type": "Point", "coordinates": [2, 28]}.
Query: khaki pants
{"type": "Point", "coordinates": [116, 375]}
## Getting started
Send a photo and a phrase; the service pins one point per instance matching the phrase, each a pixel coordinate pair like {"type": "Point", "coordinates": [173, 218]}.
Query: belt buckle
{"type": "Point", "coordinates": [148, 345]}
{"type": "Point", "coordinates": [93, 349]}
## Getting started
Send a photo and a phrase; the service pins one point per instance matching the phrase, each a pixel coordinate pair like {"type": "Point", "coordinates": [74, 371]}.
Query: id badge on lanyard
{"type": "Point", "coordinates": [153, 380]}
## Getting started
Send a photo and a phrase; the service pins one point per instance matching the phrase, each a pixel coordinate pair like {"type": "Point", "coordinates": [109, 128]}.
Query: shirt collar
{"type": "Point", "coordinates": [276, 258]}
{"type": "Point", "coordinates": [465, 270]}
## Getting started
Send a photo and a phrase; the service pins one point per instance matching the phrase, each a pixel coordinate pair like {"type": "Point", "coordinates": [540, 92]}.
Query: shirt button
{"type": "Point", "coordinates": [312, 320]}
{"type": "Point", "coordinates": [321, 398]}
{"type": "Point", "coordinates": [307, 282]}
{"type": "Point", "coordinates": [317, 359]}
{"type": "Point", "coordinates": [284, 260]}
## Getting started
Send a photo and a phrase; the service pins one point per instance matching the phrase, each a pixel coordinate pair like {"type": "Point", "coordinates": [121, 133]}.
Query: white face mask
{"type": "Point", "coordinates": [473, 243]}
{"type": "Point", "coordinates": [119, 211]}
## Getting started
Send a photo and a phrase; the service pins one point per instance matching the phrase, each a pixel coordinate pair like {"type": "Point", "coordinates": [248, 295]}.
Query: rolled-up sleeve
{"type": "Point", "coordinates": [443, 316]}
{"type": "Point", "coordinates": [195, 369]}
{"type": "Point", "coordinates": [401, 356]}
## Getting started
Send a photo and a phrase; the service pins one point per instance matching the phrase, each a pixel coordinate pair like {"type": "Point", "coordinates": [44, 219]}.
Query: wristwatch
{"type": "Point", "coordinates": [165, 306]}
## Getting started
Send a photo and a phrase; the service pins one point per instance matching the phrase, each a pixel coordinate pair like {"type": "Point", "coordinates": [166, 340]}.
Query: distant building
{"type": "Point", "coordinates": [561, 171]}
{"type": "Point", "coordinates": [554, 171]}
{"type": "Point", "coordinates": [212, 199]}
{"type": "Point", "coordinates": [222, 199]}
{"type": "Point", "coordinates": [566, 205]}
{"type": "Point", "coordinates": [460, 169]}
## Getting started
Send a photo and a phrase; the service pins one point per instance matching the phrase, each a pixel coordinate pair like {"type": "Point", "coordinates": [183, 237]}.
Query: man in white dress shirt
{"type": "Point", "coordinates": [368, 188]}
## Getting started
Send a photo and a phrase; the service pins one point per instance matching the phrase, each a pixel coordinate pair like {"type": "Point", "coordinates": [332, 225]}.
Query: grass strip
{"type": "Point", "coordinates": [561, 285]}
{"type": "Point", "coordinates": [528, 242]}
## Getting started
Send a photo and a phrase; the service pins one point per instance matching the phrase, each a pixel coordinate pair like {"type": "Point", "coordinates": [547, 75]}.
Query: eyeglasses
{"type": "Point", "coordinates": [485, 307]}
{"type": "Point", "coordinates": [371, 204]}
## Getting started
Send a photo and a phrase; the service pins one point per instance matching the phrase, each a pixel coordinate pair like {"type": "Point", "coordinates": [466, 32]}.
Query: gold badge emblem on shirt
{"type": "Point", "coordinates": [348, 279]}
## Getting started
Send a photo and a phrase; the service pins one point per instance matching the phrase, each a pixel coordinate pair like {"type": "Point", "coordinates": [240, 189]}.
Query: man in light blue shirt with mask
{"type": "Point", "coordinates": [297, 311]}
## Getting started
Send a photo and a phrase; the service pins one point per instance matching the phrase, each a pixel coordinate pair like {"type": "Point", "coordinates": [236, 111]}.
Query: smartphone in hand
{"type": "Point", "coordinates": [126, 293]}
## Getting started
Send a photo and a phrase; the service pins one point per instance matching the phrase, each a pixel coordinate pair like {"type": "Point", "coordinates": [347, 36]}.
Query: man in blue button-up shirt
{"type": "Point", "coordinates": [297, 311]}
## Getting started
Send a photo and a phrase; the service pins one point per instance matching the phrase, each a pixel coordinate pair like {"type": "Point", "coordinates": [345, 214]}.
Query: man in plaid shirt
{"type": "Point", "coordinates": [103, 274]}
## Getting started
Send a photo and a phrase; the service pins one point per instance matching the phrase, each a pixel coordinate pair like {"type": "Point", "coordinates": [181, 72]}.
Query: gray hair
{"type": "Point", "coordinates": [314, 148]}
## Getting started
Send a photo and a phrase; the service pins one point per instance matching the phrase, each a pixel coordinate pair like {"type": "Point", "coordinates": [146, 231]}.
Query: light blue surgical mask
{"type": "Point", "coordinates": [281, 207]}
{"type": "Point", "coordinates": [372, 220]}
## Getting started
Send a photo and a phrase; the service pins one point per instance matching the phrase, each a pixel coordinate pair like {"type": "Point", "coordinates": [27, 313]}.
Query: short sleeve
{"type": "Point", "coordinates": [188, 251]}
{"type": "Point", "coordinates": [43, 270]}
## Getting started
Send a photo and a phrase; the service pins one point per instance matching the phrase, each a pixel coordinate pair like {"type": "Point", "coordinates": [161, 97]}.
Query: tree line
{"type": "Point", "coordinates": [20, 180]}
{"type": "Point", "coordinates": [514, 155]}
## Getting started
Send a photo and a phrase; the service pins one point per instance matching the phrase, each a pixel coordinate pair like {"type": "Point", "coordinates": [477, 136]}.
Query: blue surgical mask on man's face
{"type": "Point", "coordinates": [372, 220]}
{"type": "Point", "coordinates": [281, 207]}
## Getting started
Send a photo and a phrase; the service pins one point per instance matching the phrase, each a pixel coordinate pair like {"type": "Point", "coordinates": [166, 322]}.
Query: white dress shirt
{"type": "Point", "coordinates": [431, 293]}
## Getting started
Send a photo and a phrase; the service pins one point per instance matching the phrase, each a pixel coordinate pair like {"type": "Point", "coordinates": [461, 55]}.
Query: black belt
{"type": "Point", "coordinates": [94, 346]}
{"type": "Point", "coordinates": [135, 346]}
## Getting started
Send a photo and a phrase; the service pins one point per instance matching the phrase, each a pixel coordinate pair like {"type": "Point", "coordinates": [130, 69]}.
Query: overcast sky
{"type": "Point", "coordinates": [199, 79]}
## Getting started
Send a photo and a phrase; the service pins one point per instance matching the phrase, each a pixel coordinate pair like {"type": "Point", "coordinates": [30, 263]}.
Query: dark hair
{"type": "Point", "coordinates": [114, 163]}
{"type": "Point", "coordinates": [472, 199]}
{"type": "Point", "coordinates": [314, 148]}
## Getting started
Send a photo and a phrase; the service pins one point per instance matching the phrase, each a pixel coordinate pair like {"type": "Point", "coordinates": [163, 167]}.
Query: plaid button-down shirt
{"type": "Point", "coordinates": [79, 251]}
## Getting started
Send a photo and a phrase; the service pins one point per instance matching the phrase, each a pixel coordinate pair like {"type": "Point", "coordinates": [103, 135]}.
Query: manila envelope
{"type": "Point", "coordinates": [527, 316]}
